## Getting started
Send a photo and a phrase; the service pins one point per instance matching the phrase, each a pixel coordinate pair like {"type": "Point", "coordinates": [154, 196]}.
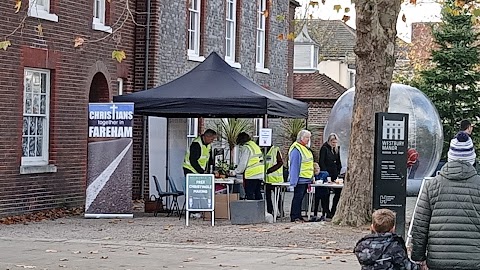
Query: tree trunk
{"type": "Point", "coordinates": [375, 49]}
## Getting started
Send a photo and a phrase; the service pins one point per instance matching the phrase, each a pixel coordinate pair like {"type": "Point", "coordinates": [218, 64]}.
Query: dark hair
{"type": "Point", "coordinates": [242, 138]}
{"type": "Point", "coordinates": [465, 124]}
{"type": "Point", "coordinates": [210, 132]}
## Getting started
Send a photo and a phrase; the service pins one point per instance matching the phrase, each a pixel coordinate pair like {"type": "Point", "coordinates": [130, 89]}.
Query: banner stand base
{"type": "Point", "coordinates": [108, 215]}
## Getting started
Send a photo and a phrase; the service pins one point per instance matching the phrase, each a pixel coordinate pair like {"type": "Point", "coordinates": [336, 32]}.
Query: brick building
{"type": "Point", "coordinates": [46, 85]}
{"type": "Point", "coordinates": [244, 32]}
{"type": "Point", "coordinates": [172, 37]}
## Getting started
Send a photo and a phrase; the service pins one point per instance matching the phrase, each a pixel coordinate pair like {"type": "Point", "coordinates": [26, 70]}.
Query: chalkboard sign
{"type": "Point", "coordinates": [390, 165]}
{"type": "Point", "coordinates": [200, 192]}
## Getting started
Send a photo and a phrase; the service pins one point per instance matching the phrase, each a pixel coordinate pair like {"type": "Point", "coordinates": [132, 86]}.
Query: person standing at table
{"type": "Point", "coordinates": [250, 164]}
{"type": "Point", "coordinates": [300, 164]}
{"type": "Point", "coordinates": [274, 165]}
{"type": "Point", "coordinates": [330, 162]}
{"type": "Point", "coordinates": [199, 155]}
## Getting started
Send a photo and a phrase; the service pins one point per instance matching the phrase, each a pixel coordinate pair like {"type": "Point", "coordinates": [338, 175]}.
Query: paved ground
{"type": "Point", "coordinates": [148, 242]}
{"type": "Point", "coordinates": [86, 254]}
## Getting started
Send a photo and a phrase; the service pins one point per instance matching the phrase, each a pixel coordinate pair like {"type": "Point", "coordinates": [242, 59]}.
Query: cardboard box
{"type": "Point", "coordinates": [221, 206]}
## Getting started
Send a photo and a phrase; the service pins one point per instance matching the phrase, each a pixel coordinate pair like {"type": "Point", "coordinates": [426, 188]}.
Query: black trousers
{"type": "Point", "coordinates": [322, 195]}
{"type": "Point", "coordinates": [336, 198]}
{"type": "Point", "coordinates": [268, 196]}
{"type": "Point", "coordinates": [253, 189]}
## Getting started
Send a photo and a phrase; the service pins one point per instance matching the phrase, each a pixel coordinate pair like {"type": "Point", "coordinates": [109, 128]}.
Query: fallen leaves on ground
{"type": "Point", "coordinates": [42, 215]}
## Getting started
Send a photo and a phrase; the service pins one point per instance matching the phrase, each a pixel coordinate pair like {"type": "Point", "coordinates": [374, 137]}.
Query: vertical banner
{"type": "Point", "coordinates": [110, 160]}
{"type": "Point", "coordinates": [390, 165]}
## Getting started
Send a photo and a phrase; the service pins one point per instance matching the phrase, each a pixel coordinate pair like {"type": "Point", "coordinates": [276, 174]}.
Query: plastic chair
{"type": "Point", "coordinates": [162, 194]}
{"type": "Point", "coordinates": [173, 188]}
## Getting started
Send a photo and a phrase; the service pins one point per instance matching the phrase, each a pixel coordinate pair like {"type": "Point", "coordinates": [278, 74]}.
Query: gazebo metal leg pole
{"type": "Point", "coordinates": [144, 143]}
{"type": "Point", "coordinates": [265, 125]}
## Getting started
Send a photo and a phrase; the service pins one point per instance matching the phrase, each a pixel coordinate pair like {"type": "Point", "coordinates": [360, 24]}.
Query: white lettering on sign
{"type": "Point", "coordinates": [110, 132]}
{"type": "Point", "coordinates": [113, 115]}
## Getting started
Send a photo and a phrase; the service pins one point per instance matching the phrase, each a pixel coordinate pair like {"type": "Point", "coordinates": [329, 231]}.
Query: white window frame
{"type": "Point", "coordinates": [192, 129]}
{"type": "Point", "coordinates": [194, 12]}
{"type": "Point", "coordinates": [231, 22]}
{"type": "Point", "coordinates": [120, 86]}
{"type": "Point", "coordinates": [41, 11]}
{"type": "Point", "coordinates": [261, 36]}
{"type": "Point", "coordinates": [98, 23]}
{"type": "Point", "coordinates": [257, 126]}
{"type": "Point", "coordinates": [43, 159]}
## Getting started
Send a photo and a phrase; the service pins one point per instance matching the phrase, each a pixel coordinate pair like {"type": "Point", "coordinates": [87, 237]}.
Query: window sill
{"type": "Point", "coordinates": [196, 58]}
{"type": "Point", "coordinates": [234, 64]}
{"type": "Point", "coordinates": [263, 70]}
{"type": "Point", "coordinates": [101, 27]}
{"type": "Point", "coordinates": [43, 15]}
{"type": "Point", "coordinates": [31, 169]}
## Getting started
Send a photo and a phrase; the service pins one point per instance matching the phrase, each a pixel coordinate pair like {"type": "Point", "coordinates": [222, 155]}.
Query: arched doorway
{"type": "Point", "coordinates": [99, 91]}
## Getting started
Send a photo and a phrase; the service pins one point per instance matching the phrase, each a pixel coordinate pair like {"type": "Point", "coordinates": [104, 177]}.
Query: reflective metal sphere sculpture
{"type": "Point", "coordinates": [425, 132]}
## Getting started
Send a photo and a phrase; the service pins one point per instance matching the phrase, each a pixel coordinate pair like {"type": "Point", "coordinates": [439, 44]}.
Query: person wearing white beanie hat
{"type": "Point", "coordinates": [461, 148]}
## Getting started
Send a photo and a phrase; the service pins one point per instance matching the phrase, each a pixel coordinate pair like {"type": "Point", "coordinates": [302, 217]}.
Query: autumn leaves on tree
{"type": "Point", "coordinates": [21, 9]}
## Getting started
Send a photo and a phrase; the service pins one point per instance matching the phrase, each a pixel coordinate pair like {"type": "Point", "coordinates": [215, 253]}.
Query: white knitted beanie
{"type": "Point", "coordinates": [461, 148]}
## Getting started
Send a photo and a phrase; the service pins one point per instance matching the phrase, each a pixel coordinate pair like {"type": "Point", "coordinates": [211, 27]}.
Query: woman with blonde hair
{"type": "Point", "coordinates": [330, 162]}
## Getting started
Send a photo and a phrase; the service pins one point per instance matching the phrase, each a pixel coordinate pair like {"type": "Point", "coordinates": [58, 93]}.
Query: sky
{"type": "Point", "coordinates": [423, 11]}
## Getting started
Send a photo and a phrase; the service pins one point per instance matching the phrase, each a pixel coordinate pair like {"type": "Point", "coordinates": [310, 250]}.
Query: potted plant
{"type": "Point", "coordinates": [222, 168]}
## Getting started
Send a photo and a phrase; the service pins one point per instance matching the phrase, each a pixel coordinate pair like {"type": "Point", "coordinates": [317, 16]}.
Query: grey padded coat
{"type": "Point", "coordinates": [446, 229]}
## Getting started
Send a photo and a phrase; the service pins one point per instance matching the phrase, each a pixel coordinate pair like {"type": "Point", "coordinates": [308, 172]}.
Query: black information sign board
{"type": "Point", "coordinates": [390, 165]}
{"type": "Point", "coordinates": [200, 192]}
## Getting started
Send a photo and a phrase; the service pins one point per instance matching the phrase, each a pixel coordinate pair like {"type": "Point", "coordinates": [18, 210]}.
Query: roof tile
{"type": "Point", "coordinates": [316, 86]}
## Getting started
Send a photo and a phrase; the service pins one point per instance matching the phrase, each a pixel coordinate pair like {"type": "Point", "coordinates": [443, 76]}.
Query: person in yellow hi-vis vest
{"type": "Point", "coordinates": [274, 165]}
{"type": "Point", "coordinates": [300, 165]}
{"type": "Point", "coordinates": [198, 156]}
{"type": "Point", "coordinates": [250, 164]}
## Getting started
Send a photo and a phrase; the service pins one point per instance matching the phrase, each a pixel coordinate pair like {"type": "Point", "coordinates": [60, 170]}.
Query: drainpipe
{"type": "Point", "coordinates": [145, 86]}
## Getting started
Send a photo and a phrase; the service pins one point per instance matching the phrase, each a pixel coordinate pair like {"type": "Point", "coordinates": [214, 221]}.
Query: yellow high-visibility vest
{"type": "Point", "coordinates": [306, 168]}
{"type": "Point", "coordinates": [204, 157]}
{"type": "Point", "coordinates": [255, 168]}
{"type": "Point", "coordinates": [271, 160]}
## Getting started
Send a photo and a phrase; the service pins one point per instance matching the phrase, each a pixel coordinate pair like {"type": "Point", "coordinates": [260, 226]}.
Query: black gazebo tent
{"type": "Point", "coordinates": [214, 89]}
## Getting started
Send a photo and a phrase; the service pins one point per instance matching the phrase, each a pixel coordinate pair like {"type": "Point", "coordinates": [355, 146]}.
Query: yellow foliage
{"type": "Point", "coordinates": [4, 44]}
{"type": "Point", "coordinates": [280, 37]}
{"type": "Point", "coordinates": [265, 13]}
{"type": "Point", "coordinates": [39, 29]}
{"type": "Point", "coordinates": [18, 5]}
{"type": "Point", "coordinates": [291, 36]}
{"type": "Point", "coordinates": [78, 41]}
{"type": "Point", "coordinates": [337, 7]}
{"type": "Point", "coordinates": [118, 55]}
{"type": "Point", "coordinates": [313, 3]}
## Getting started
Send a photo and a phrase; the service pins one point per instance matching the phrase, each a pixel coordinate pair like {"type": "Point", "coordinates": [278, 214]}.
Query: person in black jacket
{"type": "Point", "coordinates": [383, 249]}
{"type": "Point", "coordinates": [330, 162]}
